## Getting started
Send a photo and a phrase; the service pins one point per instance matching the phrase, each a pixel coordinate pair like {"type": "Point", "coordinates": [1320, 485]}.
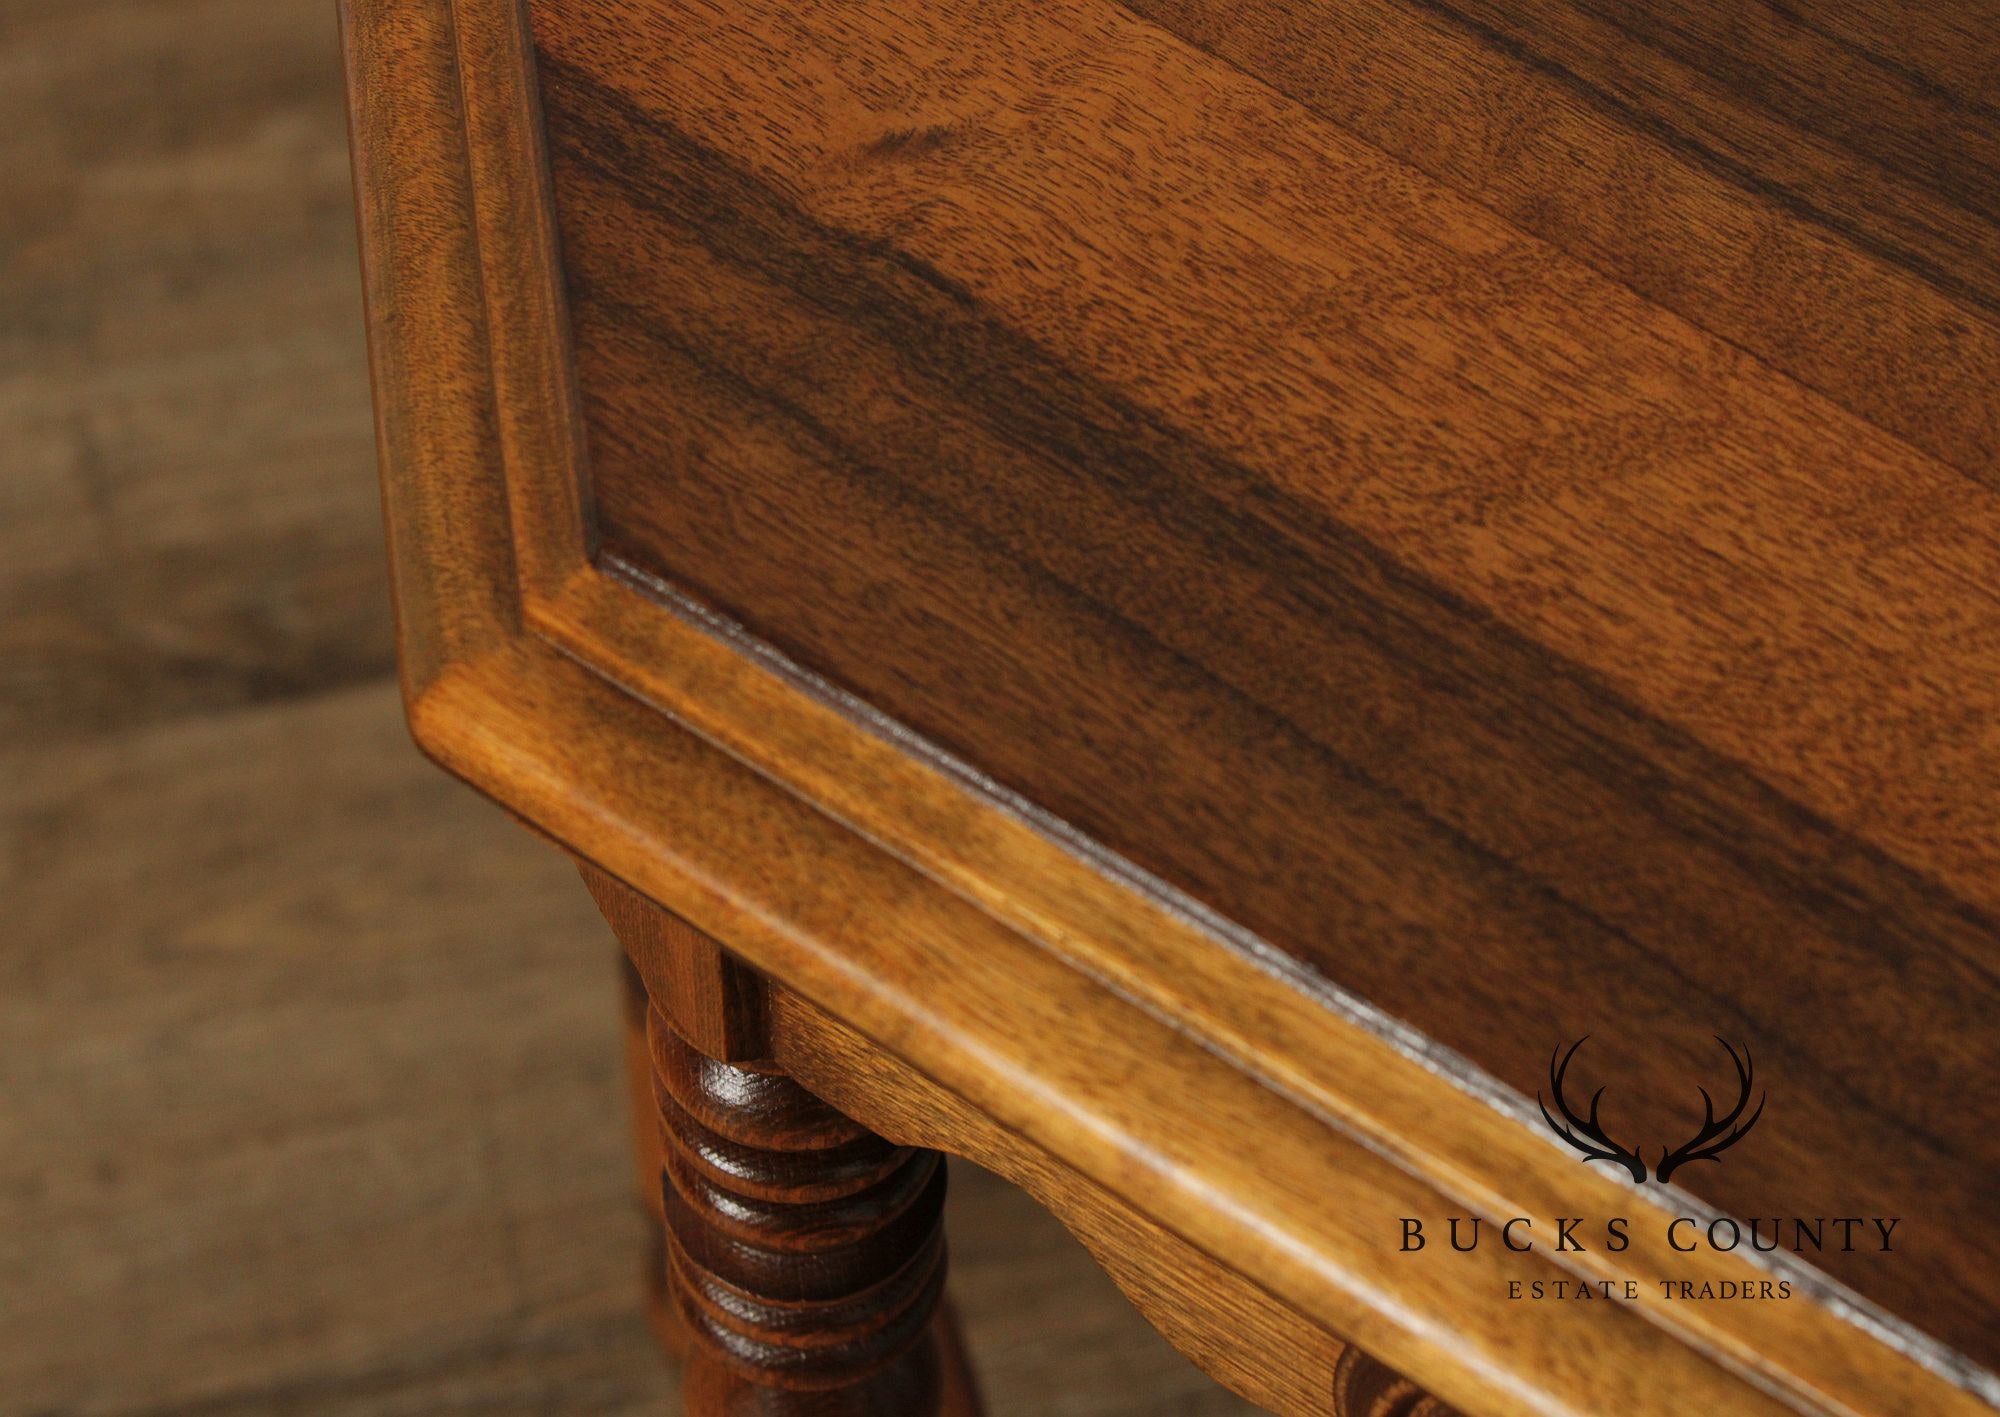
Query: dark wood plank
{"type": "Point", "coordinates": [271, 1147]}
{"type": "Point", "coordinates": [1509, 651]}
{"type": "Point", "coordinates": [189, 520]}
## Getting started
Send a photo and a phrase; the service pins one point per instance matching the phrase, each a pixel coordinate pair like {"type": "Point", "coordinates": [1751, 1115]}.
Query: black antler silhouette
{"type": "Point", "coordinates": [1716, 1134]}
{"type": "Point", "coordinates": [1605, 1149]}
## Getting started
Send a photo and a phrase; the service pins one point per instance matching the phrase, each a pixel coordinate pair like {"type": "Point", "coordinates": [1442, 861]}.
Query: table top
{"type": "Point", "coordinates": [1488, 512]}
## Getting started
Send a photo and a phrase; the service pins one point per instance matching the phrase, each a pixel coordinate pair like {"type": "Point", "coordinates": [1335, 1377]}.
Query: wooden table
{"type": "Point", "coordinates": [1180, 598]}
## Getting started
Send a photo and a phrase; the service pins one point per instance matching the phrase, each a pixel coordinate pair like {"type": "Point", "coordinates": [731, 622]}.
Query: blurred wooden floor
{"type": "Point", "coordinates": [308, 1064]}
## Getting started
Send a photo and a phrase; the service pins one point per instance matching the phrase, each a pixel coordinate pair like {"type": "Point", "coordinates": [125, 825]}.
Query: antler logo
{"type": "Point", "coordinates": [1587, 1135]}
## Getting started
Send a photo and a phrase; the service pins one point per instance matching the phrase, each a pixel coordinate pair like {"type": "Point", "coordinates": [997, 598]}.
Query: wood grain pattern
{"type": "Point", "coordinates": [1497, 642]}
{"type": "Point", "coordinates": [1812, 183]}
{"type": "Point", "coordinates": [1060, 999]}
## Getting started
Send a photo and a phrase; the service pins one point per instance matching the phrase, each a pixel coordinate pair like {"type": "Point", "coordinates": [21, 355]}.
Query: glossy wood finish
{"type": "Point", "coordinates": [804, 1255]}
{"type": "Point", "coordinates": [1317, 586]}
{"type": "Point", "coordinates": [1400, 587]}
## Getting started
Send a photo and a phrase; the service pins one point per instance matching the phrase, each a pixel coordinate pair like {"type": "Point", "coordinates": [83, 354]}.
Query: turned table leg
{"type": "Point", "coordinates": [804, 1254]}
{"type": "Point", "coordinates": [1363, 1387]}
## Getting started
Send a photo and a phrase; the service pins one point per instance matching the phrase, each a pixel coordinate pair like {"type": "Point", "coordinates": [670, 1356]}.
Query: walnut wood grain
{"type": "Point", "coordinates": [1402, 588]}
{"type": "Point", "coordinates": [1570, 758]}
{"type": "Point", "coordinates": [1812, 183]}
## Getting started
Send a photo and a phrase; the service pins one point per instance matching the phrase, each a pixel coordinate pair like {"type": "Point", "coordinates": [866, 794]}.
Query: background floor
{"type": "Point", "coordinates": [308, 1059]}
